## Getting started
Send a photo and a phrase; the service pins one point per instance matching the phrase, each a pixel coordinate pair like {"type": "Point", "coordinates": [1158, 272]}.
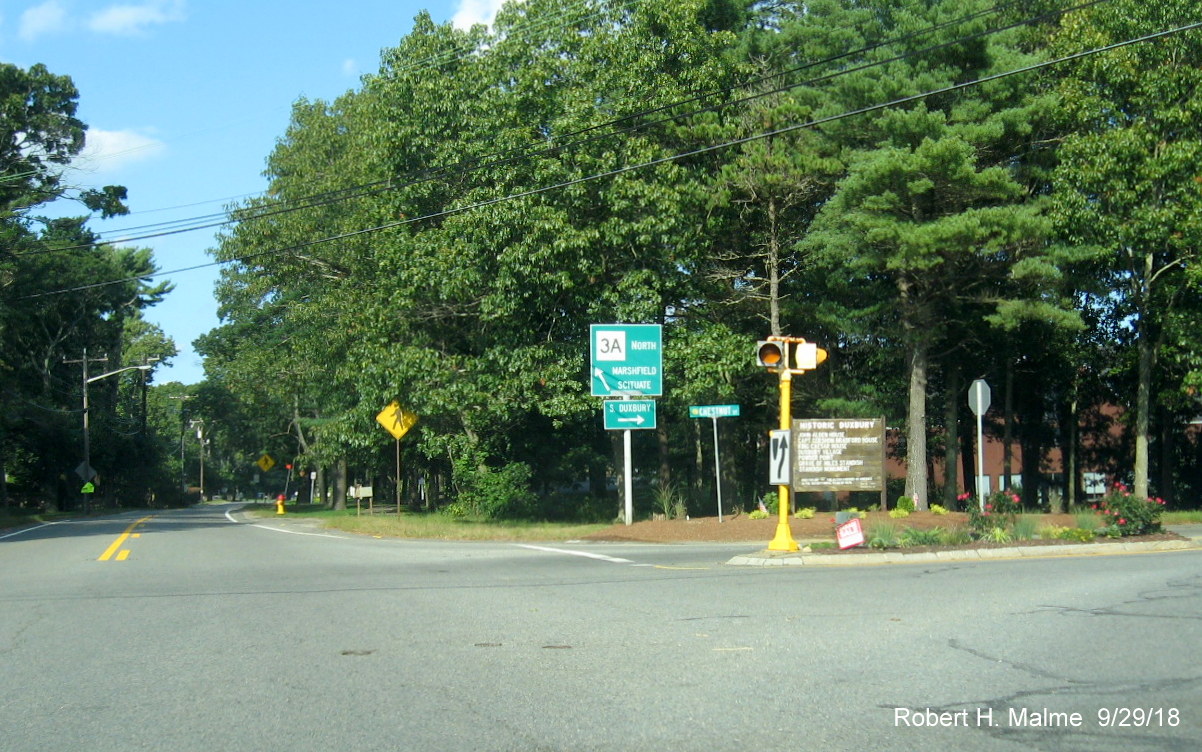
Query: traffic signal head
{"type": "Point", "coordinates": [772, 354]}
{"type": "Point", "coordinates": [792, 354]}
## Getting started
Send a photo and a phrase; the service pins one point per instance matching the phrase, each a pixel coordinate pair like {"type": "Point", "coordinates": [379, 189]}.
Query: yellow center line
{"type": "Point", "coordinates": [108, 553]}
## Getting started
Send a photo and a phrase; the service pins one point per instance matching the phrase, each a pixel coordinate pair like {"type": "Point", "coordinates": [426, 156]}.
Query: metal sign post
{"type": "Point", "coordinates": [978, 399]}
{"type": "Point", "coordinates": [626, 415]}
{"type": "Point", "coordinates": [713, 412]}
{"type": "Point", "coordinates": [627, 360]}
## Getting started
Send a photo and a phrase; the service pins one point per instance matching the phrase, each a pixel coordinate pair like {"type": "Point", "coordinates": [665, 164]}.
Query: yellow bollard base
{"type": "Point", "coordinates": [784, 539]}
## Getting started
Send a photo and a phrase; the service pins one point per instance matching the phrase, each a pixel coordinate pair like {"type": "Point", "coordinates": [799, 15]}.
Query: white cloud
{"type": "Point", "coordinates": [130, 19]}
{"type": "Point", "coordinates": [472, 12]}
{"type": "Point", "coordinates": [39, 20]}
{"type": "Point", "coordinates": [350, 67]}
{"type": "Point", "coordinates": [109, 151]}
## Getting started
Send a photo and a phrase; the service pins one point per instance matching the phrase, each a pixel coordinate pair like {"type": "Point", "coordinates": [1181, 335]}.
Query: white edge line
{"type": "Point", "coordinates": [28, 530]}
{"type": "Point", "coordinates": [280, 529]}
{"type": "Point", "coordinates": [569, 552]}
{"type": "Point", "coordinates": [296, 532]}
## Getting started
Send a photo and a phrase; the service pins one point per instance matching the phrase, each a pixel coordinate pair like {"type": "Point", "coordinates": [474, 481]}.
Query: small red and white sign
{"type": "Point", "coordinates": [850, 534]}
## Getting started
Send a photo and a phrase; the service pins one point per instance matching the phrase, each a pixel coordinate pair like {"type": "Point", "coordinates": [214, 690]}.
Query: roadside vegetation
{"type": "Point", "coordinates": [931, 190]}
{"type": "Point", "coordinates": [430, 525]}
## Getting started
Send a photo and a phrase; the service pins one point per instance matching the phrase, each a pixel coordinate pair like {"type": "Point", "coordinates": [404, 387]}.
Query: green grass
{"type": "Point", "coordinates": [432, 526]}
{"type": "Point", "coordinates": [1190, 517]}
{"type": "Point", "coordinates": [20, 520]}
{"type": "Point", "coordinates": [1025, 527]}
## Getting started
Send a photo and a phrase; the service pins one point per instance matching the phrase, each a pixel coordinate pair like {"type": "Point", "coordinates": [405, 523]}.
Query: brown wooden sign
{"type": "Point", "coordinates": [839, 454]}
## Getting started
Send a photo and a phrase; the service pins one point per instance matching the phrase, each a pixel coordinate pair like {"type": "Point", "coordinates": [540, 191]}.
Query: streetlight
{"type": "Point", "coordinates": [85, 470]}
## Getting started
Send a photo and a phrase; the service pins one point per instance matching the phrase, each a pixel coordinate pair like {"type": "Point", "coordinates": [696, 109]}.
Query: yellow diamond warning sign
{"type": "Point", "coordinates": [395, 420]}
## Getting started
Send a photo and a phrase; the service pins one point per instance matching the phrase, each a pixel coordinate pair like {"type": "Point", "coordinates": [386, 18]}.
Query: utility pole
{"type": "Point", "coordinates": [145, 362]}
{"type": "Point", "coordinates": [183, 474]}
{"type": "Point", "coordinates": [85, 470]}
{"type": "Point", "coordinates": [199, 425]}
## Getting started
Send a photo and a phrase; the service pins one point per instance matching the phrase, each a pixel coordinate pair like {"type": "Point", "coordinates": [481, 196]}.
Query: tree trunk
{"type": "Point", "coordinates": [1008, 428]}
{"type": "Point", "coordinates": [951, 424]}
{"type": "Point", "coordinates": [1143, 404]}
{"type": "Point", "coordinates": [968, 461]}
{"type": "Point", "coordinates": [665, 465]}
{"type": "Point", "coordinates": [340, 486]}
{"type": "Point", "coordinates": [773, 271]}
{"type": "Point", "coordinates": [916, 438]}
{"type": "Point", "coordinates": [1167, 455]}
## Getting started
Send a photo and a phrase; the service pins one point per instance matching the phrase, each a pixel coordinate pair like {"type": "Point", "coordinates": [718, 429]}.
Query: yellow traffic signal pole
{"type": "Point", "coordinates": [784, 536]}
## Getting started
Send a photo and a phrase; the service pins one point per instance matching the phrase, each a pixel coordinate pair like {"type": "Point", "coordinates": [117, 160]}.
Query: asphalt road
{"type": "Point", "coordinates": [215, 633]}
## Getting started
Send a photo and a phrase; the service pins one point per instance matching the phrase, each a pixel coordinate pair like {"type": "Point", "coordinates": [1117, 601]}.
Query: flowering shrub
{"type": "Point", "coordinates": [1125, 514]}
{"type": "Point", "coordinates": [1000, 513]}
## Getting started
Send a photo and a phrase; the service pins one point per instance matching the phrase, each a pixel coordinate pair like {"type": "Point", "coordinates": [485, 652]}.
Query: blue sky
{"type": "Point", "coordinates": [185, 99]}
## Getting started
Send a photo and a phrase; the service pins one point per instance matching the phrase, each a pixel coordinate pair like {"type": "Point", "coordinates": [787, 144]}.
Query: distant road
{"type": "Point", "coordinates": [188, 631]}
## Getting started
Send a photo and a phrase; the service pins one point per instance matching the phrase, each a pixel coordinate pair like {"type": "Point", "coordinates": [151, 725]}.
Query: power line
{"type": "Point", "coordinates": [499, 159]}
{"type": "Point", "coordinates": [661, 160]}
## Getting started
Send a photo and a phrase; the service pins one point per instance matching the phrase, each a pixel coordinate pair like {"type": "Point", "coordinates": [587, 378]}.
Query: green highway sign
{"type": "Point", "coordinates": [714, 411]}
{"type": "Point", "coordinates": [626, 360]}
{"type": "Point", "coordinates": [629, 415]}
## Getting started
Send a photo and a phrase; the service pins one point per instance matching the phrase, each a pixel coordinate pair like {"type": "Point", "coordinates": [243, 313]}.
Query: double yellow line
{"type": "Point", "coordinates": [124, 552]}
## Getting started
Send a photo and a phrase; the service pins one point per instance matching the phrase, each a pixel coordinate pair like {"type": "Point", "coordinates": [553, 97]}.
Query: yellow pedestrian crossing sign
{"type": "Point", "coordinates": [266, 462]}
{"type": "Point", "coordinates": [395, 420]}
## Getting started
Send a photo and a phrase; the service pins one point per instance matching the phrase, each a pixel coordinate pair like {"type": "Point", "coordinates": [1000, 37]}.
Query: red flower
{"type": "Point", "coordinates": [1122, 521]}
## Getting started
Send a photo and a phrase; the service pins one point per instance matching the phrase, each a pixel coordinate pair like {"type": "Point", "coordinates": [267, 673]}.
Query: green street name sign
{"type": "Point", "coordinates": [629, 415]}
{"type": "Point", "coordinates": [714, 411]}
{"type": "Point", "coordinates": [626, 360]}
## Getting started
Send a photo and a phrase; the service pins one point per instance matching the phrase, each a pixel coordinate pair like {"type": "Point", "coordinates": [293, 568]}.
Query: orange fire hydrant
{"type": "Point", "coordinates": [279, 504]}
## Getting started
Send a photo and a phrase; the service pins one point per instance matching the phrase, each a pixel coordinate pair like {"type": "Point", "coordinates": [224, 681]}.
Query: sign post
{"type": "Point", "coordinates": [396, 422]}
{"type": "Point", "coordinates": [978, 399]}
{"type": "Point", "coordinates": [627, 360]}
{"type": "Point", "coordinates": [714, 412]}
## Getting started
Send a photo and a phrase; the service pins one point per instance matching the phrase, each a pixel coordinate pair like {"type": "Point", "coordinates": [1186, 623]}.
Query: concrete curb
{"type": "Point", "coordinates": [805, 559]}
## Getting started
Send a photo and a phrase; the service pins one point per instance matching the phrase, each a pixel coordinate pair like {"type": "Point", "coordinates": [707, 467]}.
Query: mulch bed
{"type": "Point", "coordinates": [821, 528]}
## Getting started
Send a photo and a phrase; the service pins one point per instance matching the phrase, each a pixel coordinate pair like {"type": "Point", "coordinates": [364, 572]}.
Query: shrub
{"type": "Point", "coordinates": [1126, 514]}
{"type": "Point", "coordinates": [1000, 513]}
{"type": "Point", "coordinates": [955, 536]}
{"type": "Point", "coordinates": [758, 514]}
{"type": "Point", "coordinates": [913, 537]}
{"type": "Point", "coordinates": [996, 535]}
{"type": "Point", "coordinates": [1051, 532]}
{"type": "Point", "coordinates": [1025, 527]}
{"type": "Point", "coordinates": [1081, 535]}
{"type": "Point", "coordinates": [669, 500]}
{"type": "Point", "coordinates": [906, 503]}
{"type": "Point", "coordinates": [899, 513]}
{"type": "Point", "coordinates": [805, 513]}
{"type": "Point", "coordinates": [494, 492]}
{"type": "Point", "coordinates": [883, 535]}
{"type": "Point", "coordinates": [1087, 520]}
{"type": "Point", "coordinates": [936, 509]}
